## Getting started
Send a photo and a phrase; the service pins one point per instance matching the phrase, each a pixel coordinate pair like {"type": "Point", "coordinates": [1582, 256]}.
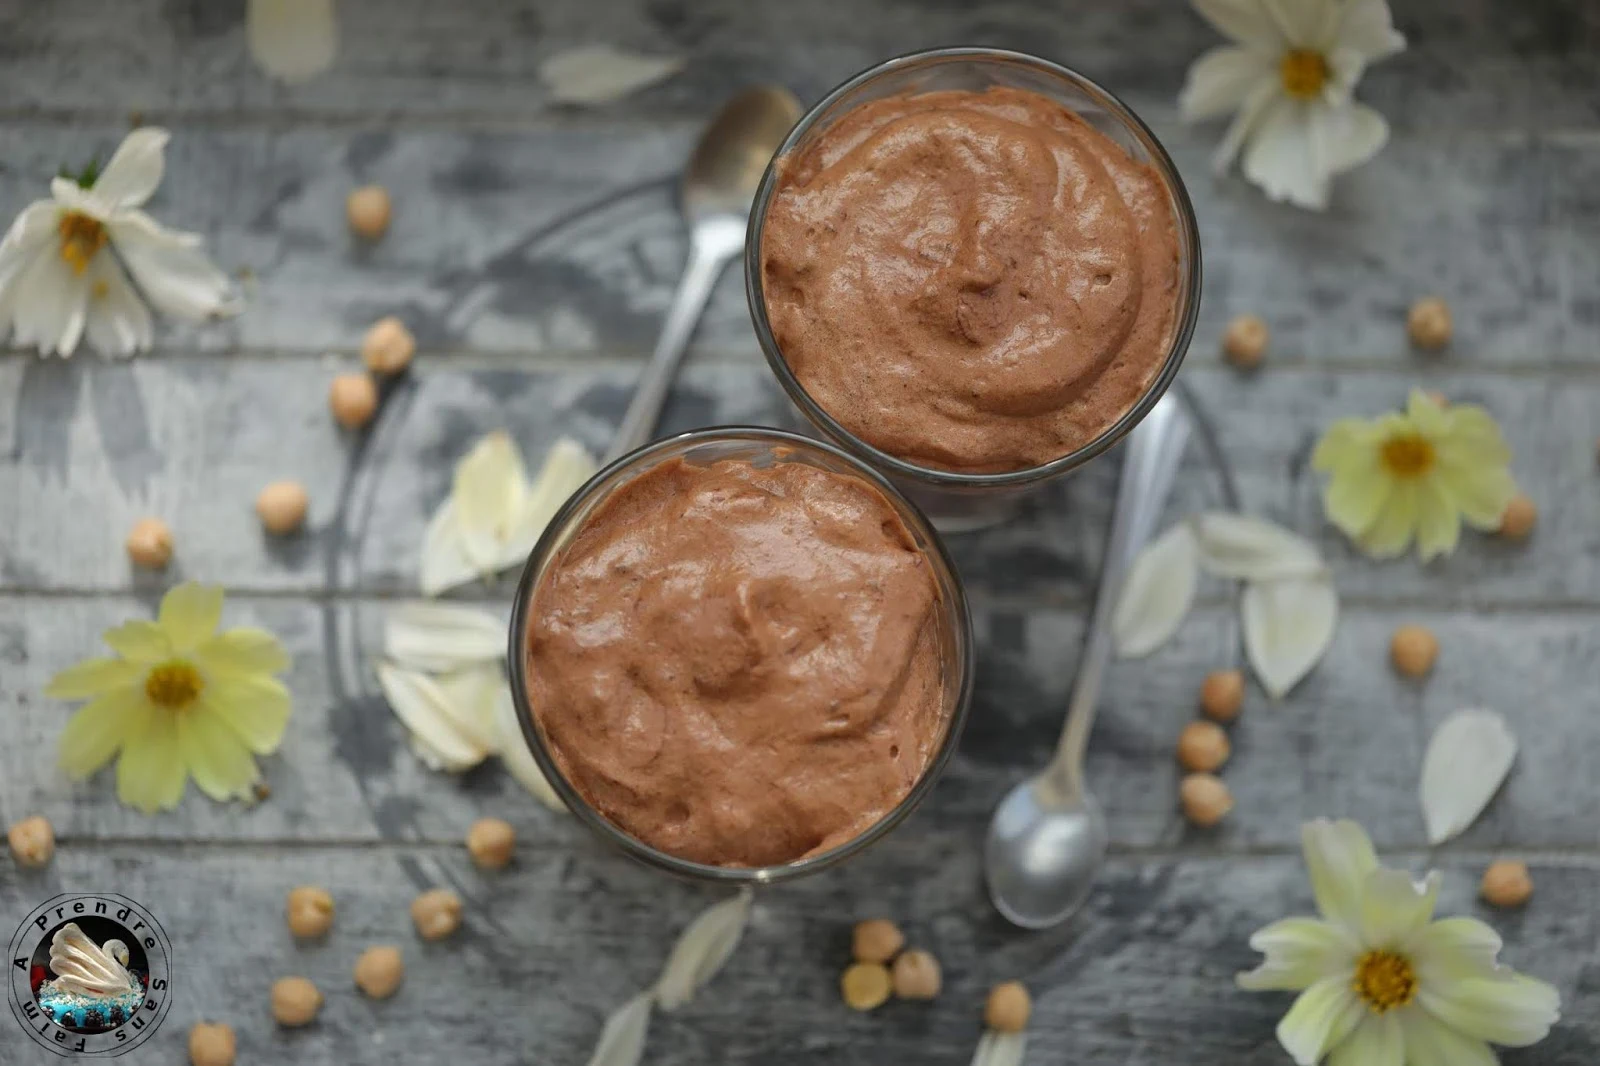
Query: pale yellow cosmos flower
{"type": "Point", "coordinates": [179, 700]}
{"type": "Point", "coordinates": [1416, 473]}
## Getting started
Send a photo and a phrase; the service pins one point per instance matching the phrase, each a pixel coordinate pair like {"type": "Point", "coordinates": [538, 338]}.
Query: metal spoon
{"type": "Point", "coordinates": [1047, 839]}
{"type": "Point", "coordinates": [719, 185]}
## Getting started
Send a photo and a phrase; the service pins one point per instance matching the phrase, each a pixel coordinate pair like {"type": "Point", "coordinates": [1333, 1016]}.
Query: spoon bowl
{"type": "Point", "coordinates": [1041, 859]}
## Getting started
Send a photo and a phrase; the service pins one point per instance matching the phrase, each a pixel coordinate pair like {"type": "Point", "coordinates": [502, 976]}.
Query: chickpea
{"type": "Point", "coordinates": [866, 986]}
{"type": "Point", "coordinates": [295, 1001]}
{"type": "Point", "coordinates": [1205, 799]}
{"type": "Point", "coordinates": [1222, 694]}
{"type": "Point", "coordinates": [33, 841]}
{"type": "Point", "coordinates": [368, 209]}
{"type": "Point", "coordinates": [310, 911]}
{"type": "Point", "coordinates": [916, 975]}
{"type": "Point", "coordinates": [211, 1045]}
{"type": "Point", "coordinates": [437, 913]}
{"type": "Point", "coordinates": [388, 346]}
{"type": "Point", "coordinates": [379, 971]}
{"type": "Point", "coordinates": [489, 842]}
{"type": "Point", "coordinates": [876, 940]}
{"type": "Point", "coordinates": [1428, 323]}
{"type": "Point", "coordinates": [149, 544]}
{"type": "Point", "coordinates": [1519, 517]}
{"type": "Point", "coordinates": [1203, 746]}
{"type": "Point", "coordinates": [1413, 650]}
{"type": "Point", "coordinates": [1506, 884]}
{"type": "Point", "coordinates": [1008, 1008]}
{"type": "Point", "coordinates": [1245, 341]}
{"type": "Point", "coordinates": [281, 506]}
{"type": "Point", "coordinates": [353, 399]}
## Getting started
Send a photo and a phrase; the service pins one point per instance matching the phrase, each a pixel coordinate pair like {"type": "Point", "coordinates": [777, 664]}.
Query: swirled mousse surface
{"type": "Point", "coordinates": [975, 281]}
{"type": "Point", "coordinates": [740, 665]}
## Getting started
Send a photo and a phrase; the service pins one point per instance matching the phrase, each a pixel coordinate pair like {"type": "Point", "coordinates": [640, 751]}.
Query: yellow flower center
{"type": "Point", "coordinates": [1409, 455]}
{"type": "Point", "coordinates": [1304, 73]}
{"type": "Point", "coordinates": [173, 685]}
{"type": "Point", "coordinates": [1384, 981]}
{"type": "Point", "coordinates": [81, 238]}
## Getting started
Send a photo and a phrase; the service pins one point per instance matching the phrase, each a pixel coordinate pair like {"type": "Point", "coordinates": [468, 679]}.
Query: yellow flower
{"type": "Point", "coordinates": [180, 700]}
{"type": "Point", "coordinates": [1416, 473]}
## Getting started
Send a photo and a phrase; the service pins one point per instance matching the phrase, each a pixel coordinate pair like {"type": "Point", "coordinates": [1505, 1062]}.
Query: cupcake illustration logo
{"type": "Point", "coordinates": [90, 974]}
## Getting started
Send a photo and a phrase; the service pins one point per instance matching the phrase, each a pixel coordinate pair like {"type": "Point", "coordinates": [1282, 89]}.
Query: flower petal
{"type": "Point", "coordinates": [1438, 522]}
{"type": "Point", "coordinates": [134, 172]}
{"type": "Point", "coordinates": [1157, 593]}
{"type": "Point", "coordinates": [94, 677]}
{"type": "Point", "coordinates": [564, 471]}
{"type": "Point", "coordinates": [1322, 1016]}
{"type": "Point", "coordinates": [1288, 626]}
{"type": "Point", "coordinates": [1299, 953]}
{"type": "Point", "coordinates": [444, 558]}
{"type": "Point", "coordinates": [171, 269]}
{"type": "Point", "coordinates": [1221, 81]}
{"type": "Point", "coordinates": [519, 761]}
{"type": "Point", "coordinates": [417, 701]}
{"type": "Point", "coordinates": [119, 324]}
{"type": "Point", "coordinates": [1304, 25]}
{"type": "Point", "coordinates": [190, 614]}
{"type": "Point", "coordinates": [1246, 21]}
{"type": "Point", "coordinates": [216, 756]}
{"type": "Point", "coordinates": [1430, 1042]}
{"type": "Point", "coordinates": [1339, 859]}
{"type": "Point", "coordinates": [1348, 441]}
{"type": "Point", "coordinates": [1455, 948]}
{"type": "Point", "coordinates": [1391, 531]}
{"type": "Point", "coordinates": [31, 234]}
{"type": "Point", "coordinates": [701, 950]}
{"type": "Point", "coordinates": [1512, 1010]}
{"type": "Point", "coordinates": [48, 305]}
{"type": "Point", "coordinates": [601, 73]}
{"type": "Point", "coordinates": [140, 640]}
{"type": "Point", "coordinates": [436, 637]}
{"type": "Point", "coordinates": [470, 702]}
{"type": "Point", "coordinates": [1377, 1041]}
{"type": "Point", "coordinates": [1394, 908]}
{"type": "Point", "coordinates": [489, 490]}
{"type": "Point", "coordinates": [622, 1039]}
{"type": "Point", "coordinates": [1244, 124]}
{"type": "Point", "coordinates": [1253, 549]}
{"type": "Point", "coordinates": [1282, 159]}
{"type": "Point", "coordinates": [1468, 757]}
{"type": "Point", "coordinates": [1365, 26]}
{"type": "Point", "coordinates": [245, 650]}
{"type": "Point", "coordinates": [98, 729]}
{"type": "Point", "coordinates": [1354, 497]}
{"type": "Point", "coordinates": [292, 40]}
{"type": "Point", "coordinates": [1345, 136]}
{"type": "Point", "coordinates": [257, 708]}
{"type": "Point", "coordinates": [150, 774]}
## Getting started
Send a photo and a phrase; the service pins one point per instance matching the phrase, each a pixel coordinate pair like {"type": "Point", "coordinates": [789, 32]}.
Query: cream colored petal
{"type": "Point", "coordinates": [256, 708]}
{"type": "Point", "coordinates": [470, 697]}
{"type": "Point", "coordinates": [1349, 440]}
{"type": "Point", "coordinates": [1377, 1041]}
{"type": "Point", "coordinates": [564, 472]}
{"type": "Point", "coordinates": [1468, 757]}
{"type": "Point", "coordinates": [1479, 493]}
{"type": "Point", "coordinates": [701, 950]}
{"type": "Point", "coordinates": [436, 760]}
{"type": "Point", "coordinates": [1244, 125]}
{"type": "Point", "coordinates": [1322, 1016]}
{"type": "Point", "coordinates": [1339, 859]}
{"type": "Point", "coordinates": [1281, 158]}
{"type": "Point", "coordinates": [519, 761]}
{"type": "Point", "coordinates": [622, 1039]}
{"type": "Point", "coordinates": [118, 324]}
{"type": "Point", "coordinates": [1473, 437]}
{"type": "Point", "coordinates": [1365, 26]}
{"type": "Point", "coordinates": [150, 773]}
{"type": "Point", "coordinates": [1453, 949]}
{"type": "Point", "coordinates": [292, 40]}
{"type": "Point", "coordinates": [139, 641]}
{"type": "Point", "coordinates": [1438, 522]}
{"type": "Point", "coordinates": [134, 172]}
{"type": "Point", "coordinates": [1000, 1049]}
{"type": "Point", "coordinates": [1427, 415]}
{"type": "Point", "coordinates": [217, 758]}
{"type": "Point", "coordinates": [1303, 25]}
{"type": "Point", "coordinates": [1354, 497]}
{"type": "Point", "coordinates": [244, 650]}
{"type": "Point", "coordinates": [98, 729]}
{"type": "Point", "coordinates": [171, 269]}
{"type": "Point", "coordinates": [1245, 21]}
{"type": "Point", "coordinates": [444, 558]}
{"type": "Point", "coordinates": [1220, 81]}
{"type": "Point", "coordinates": [437, 637]}
{"type": "Point", "coordinates": [1429, 1042]}
{"type": "Point", "coordinates": [1299, 953]}
{"type": "Point", "coordinates": [1346, 135]}
{"type": "Point", "coordinates": [1513, 1010]}
{"type": "Point", "coordinates": [94, 677]}
{"type": "Point", "coordinates": [1395, 908]}
{"type": "Point", "coordinates": [417, 701]}
{"type": "Point", "coordinates": [1157, 593]}
{"type": "Point", "coordinates": [1288, 626]}
{"type": "Point", "coordinates": [190, 614]}
{"type": "Point", "coordinates": [1251, 548]}
{"type": "Point", "coordinates": [489, 490]}
{"type": "Point", "coordinates": [601, 73]}
{"type": "Point", "coordinates": [1391, 531]}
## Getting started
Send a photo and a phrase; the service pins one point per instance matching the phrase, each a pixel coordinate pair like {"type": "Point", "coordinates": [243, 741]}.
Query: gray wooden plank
{"type": "Point", "coordinates": [1143, 976]}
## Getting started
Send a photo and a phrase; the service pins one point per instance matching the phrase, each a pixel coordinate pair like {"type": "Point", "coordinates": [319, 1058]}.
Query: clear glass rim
{"type": "Point", "coordinates": [1188, 315]}
{"type": "Point", "coordinates": [555, 533]}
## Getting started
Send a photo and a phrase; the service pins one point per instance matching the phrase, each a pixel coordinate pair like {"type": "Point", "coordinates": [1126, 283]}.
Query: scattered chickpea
{"type": "Point", "coordinates": [379, 971]}
{"type": "Point", "coordinates": [916, 975]}
{"type": "Point", "coordinates": [1428, 323]}
{"type": "Point", "coordinates": [368, 210]}
{"type": "Point", "coordinates": [866, 985]}
{"type": "Point", "coordinates": [211, 1045]}
{"type": "Point", "coordinates": [33, 841]}
{"type": "Point", "coordinates": [281, 506]}
{"type": "Point", "coordinates": [1008, 1007]}
{"type": "Point", "coordinates": [1413, 650]}
{"type": "Point", "coordinates": [388, 346]}
{"type": "Point", "coordinates": [1519, 517]}
{"type": "Point", "coordinates": [309, 911]}
{"type": "Point", "coordinates": [489, 842]}
{"type": "Point", "coordinates": [437, 913]}
{"type": "Point", "coordinates": [1222, 694]}
{"type": "Point", "coordinates": [1245, 341]}
{"type": "Point", "coordinates": [876, 940]}
{"type": "Point", "coordinates": [295, 1001]}
{"type": "Point", "coordinates": [353, 399]}
{"type": "Point", "coordinates": [1506, 883]}
{"type": "Point", "coordinates": [149, 544]}
{"type": "Point", "coordinates": [1203, 746]}
{"type": "Point", "coordinates": [1205, 799]}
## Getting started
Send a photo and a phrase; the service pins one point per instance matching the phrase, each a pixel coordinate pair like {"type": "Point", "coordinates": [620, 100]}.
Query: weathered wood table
{"type": "Point", "coordinates": [533, 251]}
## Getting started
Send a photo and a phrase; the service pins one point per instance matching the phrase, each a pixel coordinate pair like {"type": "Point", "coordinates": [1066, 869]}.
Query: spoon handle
{"type": "Point", "coordinates": [1155, 450]}
{"type": "Point", "coordinates": [710, 248]}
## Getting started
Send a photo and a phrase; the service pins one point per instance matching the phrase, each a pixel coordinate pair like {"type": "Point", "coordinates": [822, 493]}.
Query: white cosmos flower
{"type": "Point", "coordinates": [65, 263]}
{"type": "Point", "coordinates": [1380, 982]}
{"type": "Point", "coordinates": [1288, 81]}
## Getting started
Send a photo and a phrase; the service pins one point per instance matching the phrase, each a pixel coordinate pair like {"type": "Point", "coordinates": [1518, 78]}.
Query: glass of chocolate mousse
{"type": "Point", "coordinates": [975, 269]}
{"type": "Point", "coordinates": [741, 655]}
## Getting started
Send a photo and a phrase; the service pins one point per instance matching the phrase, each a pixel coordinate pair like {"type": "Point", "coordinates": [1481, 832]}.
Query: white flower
{"type": "Point", "coordinates": [1380, 982]}
{"type": "Point", "coordinates": [66, 261]}
{"type": "Point", "coordinates": [1289, 78]}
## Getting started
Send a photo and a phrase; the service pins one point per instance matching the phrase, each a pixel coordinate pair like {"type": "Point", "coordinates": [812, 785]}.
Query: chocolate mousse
{"type": "Point", "coordinates": [740, 665]}
{"type": "Point", "coordinates": [973, 281]}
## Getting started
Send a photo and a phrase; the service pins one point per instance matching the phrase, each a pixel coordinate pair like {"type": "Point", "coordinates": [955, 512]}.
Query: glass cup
{"type": "Point", "coordinates": [763, 447]}
{"type": "Point", "coordinates": [960, 501]}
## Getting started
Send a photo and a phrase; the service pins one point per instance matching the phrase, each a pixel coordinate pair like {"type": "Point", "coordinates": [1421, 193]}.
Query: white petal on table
{"type": "Point", "coordinates": [1000, 1049]}
{"type": "Point", "coordinates": [622, 1039]}
{"type": "Point", "coordinates": [417, 701]}
{"type": "Point", "coordinates": [471, 696]}
{"type": "Point", "coordinates": [601, 73]}
{"type": "Point", "coordinates": [293, 40]}
{"type": "Point", "coordinates": [436, 761]}
{"type": "Point", "coordinates": [489, 491]}
{"type": "Point", "coordinates": [1252, 549]}
{"type": "Point", "coordinates": [1157, 593]}
{"type": "Point", "coordinates": [564, 472]}
{"type": "Point", "coordinates": [1288, 625]}
{"type": "Point", "coordinates": [437, 637]}
{"type": "Point", "coordinates": [444, 558]}
{"type": "Point", "coordinates": [1467, 759]}
{"type": "Point", "coordinates": [518, 759]}
{"type": "Point", "coordinates": [702, 950]}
